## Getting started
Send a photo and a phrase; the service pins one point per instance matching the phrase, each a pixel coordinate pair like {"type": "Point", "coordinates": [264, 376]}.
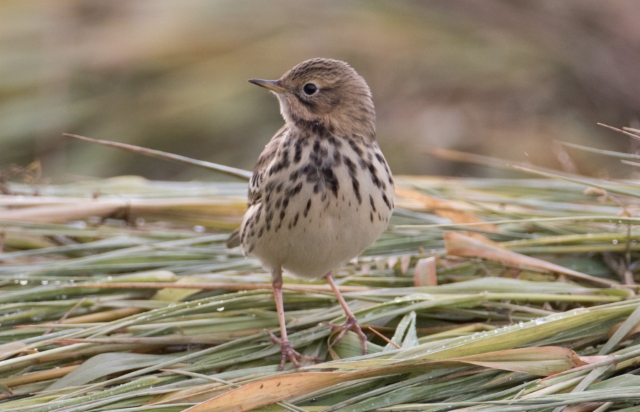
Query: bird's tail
{"type": "Point", "coordinates": [233, 240]}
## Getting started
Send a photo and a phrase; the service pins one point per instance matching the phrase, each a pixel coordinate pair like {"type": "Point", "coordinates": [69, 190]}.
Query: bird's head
{"type": "Point", "coordinates": [324, 95]}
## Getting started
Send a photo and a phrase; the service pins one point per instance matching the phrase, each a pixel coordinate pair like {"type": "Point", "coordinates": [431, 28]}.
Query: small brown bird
{"type": "Point", "coordinates": [321, 191]}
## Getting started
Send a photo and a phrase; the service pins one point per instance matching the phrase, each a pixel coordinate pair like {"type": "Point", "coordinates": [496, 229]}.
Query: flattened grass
{"type": "Point", "coordinates": [126, 299]}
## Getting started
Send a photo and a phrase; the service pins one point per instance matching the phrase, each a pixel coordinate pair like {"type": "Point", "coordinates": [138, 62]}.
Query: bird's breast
{"type": "Point", "coordinates": [324, 200]}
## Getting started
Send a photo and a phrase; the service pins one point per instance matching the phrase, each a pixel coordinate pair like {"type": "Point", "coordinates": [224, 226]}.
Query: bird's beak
{"type": "Point", "coordinates": [273, 85]}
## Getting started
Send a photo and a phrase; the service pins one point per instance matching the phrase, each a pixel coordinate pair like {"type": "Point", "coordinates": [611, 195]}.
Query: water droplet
{"type": "Point", "coordinates": [199, 229]}
{"type": "Point", "coordinates": [615, 241]}
{"type": "Point", "coordinates": [220, 309]}
{"type": "Point", "coordinates": [24, 282]}
{"type": "Point", "coordinates": [45, 282]}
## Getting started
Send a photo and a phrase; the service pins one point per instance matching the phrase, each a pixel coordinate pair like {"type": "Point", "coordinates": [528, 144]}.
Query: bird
{"type": "Point", "coordinates": [321, 190]}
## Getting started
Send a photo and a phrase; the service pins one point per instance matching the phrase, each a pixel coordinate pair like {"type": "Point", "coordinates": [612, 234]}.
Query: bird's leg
{"type": "Point", "coordinates": [352, 322]}
{"type": "Point", "coordinates": [287, 351]}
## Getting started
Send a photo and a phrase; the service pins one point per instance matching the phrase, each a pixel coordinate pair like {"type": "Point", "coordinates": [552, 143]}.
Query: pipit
{"type": "Point", "coordinates": [321, 191]}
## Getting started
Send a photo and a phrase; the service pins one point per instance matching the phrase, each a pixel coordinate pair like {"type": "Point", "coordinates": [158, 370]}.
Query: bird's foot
{"type": "Point", "coordinates": [288, 353]}
{"type": "Point", "coordinates": [350, 325]}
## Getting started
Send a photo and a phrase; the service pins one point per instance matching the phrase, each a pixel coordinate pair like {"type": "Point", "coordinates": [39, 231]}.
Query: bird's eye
{"type": "Point", "coordinates": [309, 89]}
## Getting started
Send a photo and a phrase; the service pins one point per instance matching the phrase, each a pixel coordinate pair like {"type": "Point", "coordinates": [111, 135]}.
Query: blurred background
{"type": "Point", "coordinates": [498, 78]}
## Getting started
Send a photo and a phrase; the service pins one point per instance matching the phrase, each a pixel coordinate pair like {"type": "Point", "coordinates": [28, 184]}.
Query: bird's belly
{"type": "Point", "coordinates": [318, 221]}
{"type": "Point", "coordinates": [331, 238]}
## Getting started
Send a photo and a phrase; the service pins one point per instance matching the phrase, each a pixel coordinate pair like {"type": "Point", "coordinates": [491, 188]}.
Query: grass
{"type": "Point", "coordinates": [483, 295]}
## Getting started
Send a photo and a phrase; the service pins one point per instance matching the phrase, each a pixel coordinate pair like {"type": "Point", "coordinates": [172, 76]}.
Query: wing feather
{"type": "Point", "coordinates": [262, 165]}
{"type": "Point", "coordinates": [259, 172]}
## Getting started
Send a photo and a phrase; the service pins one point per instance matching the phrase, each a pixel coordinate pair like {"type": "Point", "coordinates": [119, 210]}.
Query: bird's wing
{"type": "Point", "coordinates": [233, 240]}
{"type": "Point", "coordinates": [262, 166]}
{"type": "Point", "coordinates": [259, 172]}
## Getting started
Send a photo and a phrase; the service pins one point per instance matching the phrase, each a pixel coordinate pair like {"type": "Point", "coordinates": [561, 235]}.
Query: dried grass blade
{"type": "Point", "coordinates": [271, 390]}
{"type": "Point", "coordinates": [542, 361]}
{"type": "Point", "coordinates": [458, 244]}
{"type": "Point", "coordinates": [627, 326]}
{"type": "Point", "coordinates": [217, 286]}
{"type": "Point", "coordinates": [444, 209]}
{"type": "Point", "coordinates": [624, 130]}
{"type": "Point", "coordinates": [586, 182]}
{"type": "Point", "coordinates": [231, 171]}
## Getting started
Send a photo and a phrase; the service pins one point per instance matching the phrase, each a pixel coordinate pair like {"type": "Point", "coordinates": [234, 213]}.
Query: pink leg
{"type": "Point", "coordinates": [287, 351]}
{"type": "Point", "coordinates": [352, 322]}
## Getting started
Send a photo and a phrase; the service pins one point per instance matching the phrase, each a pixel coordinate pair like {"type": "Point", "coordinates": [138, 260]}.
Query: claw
{"type": "Point", "coordinates": [351, 325]}
{"type": "Point", "coordinates": [288, 353]}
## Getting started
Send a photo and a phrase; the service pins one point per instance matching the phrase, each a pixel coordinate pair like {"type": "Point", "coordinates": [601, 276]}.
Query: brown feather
{"type": "Point", "coordinates": [264, 160]}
